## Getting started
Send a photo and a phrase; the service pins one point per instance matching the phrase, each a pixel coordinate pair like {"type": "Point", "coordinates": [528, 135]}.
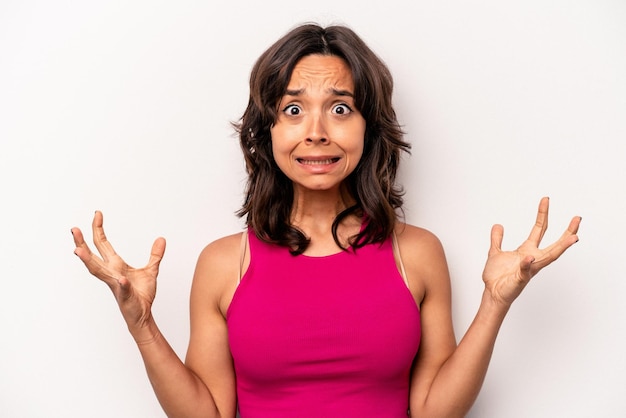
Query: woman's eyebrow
{"type": "Point", "coordinates": [332, 91]}
{"type": "Point", "coordinates": [337, 92]}
{"type": "Point", "coordinates": [293, 92]}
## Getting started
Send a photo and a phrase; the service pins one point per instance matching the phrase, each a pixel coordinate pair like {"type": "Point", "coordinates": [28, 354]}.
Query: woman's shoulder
{"type": "Point", "coordinates": [220, 259]}
{"type": "Point", "coordinates": [218, 270]}
{"type": "Point", "coordinates": [423, 256]}
{"type": "Point", "coordinates": [226, 246]}
{"type": "Point", "coordinates": [417, 238]}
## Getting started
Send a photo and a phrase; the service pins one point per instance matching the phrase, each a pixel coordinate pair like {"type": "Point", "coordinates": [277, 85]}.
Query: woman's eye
{"type": "Point", "coordinates": [292, 110]}
{"type": "Point", "coordinates": [342, 109]}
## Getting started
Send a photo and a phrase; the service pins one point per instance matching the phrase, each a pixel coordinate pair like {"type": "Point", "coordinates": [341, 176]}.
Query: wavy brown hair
{"type": "Point", "coordinates": [269, 193]}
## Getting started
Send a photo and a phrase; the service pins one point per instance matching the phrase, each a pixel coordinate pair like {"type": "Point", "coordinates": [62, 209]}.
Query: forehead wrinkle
{"type": "Point", "coordinates": [331, 77]}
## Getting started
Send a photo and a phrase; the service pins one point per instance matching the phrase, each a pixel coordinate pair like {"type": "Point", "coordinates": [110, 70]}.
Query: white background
{"type": "Point", "coordinates": [125, 106]}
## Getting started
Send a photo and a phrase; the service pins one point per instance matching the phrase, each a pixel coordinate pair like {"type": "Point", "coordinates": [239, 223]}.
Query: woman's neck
{"type": "Point", "coordinates": [319, 206]}
{"type": "Point", "coordinates": [314, 212]}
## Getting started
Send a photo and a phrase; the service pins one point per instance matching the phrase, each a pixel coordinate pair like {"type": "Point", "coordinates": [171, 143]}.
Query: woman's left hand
{"type": "Point", "coordinates": [506, 273]}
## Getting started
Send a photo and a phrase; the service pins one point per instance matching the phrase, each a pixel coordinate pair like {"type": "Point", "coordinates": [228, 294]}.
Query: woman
{"type": "Point", "coordinates": [328, 305]}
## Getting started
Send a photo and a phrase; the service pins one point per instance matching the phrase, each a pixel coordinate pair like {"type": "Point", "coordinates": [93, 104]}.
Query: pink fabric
{"type": "Point", "coordinates": [330, 336]}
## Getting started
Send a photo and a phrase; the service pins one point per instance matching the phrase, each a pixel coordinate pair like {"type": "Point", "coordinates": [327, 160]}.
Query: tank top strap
{"type": "Point", "coordinates": [242, 253]}
{"type": "Point", "coordinates": [398, 256]}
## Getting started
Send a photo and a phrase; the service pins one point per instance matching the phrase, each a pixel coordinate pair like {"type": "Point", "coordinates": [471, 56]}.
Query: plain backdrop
{"type": "Point", "coordinates": [125, 106]}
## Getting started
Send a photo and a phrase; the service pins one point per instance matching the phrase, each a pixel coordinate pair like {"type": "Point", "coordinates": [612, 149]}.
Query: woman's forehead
{"type": "Point", "coordinates": [321, 71]}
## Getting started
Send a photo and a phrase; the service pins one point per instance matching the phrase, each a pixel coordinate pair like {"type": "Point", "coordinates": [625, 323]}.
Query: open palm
{"type": "Point", "coordinates": [506, 273]}
{"type": "Point", "coordinates": [133, 288]}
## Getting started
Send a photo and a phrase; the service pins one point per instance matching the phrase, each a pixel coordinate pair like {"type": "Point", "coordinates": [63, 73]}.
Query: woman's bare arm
{"type": "Point", "coordinates": [183, 391]}
{"type": "Point", "coordinates": [447, 378]}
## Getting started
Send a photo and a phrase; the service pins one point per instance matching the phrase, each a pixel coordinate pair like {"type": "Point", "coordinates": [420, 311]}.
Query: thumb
{"type": "Point", "coordinates": [157, 251]}
{"type": "Point", "coordinates": [497, 232]}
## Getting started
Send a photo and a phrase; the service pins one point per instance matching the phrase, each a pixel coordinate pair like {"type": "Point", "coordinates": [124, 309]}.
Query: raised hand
{"type": "Point", "coordinates": [134, 289]}
{"type": "Point", "coordinates": [506, 273]}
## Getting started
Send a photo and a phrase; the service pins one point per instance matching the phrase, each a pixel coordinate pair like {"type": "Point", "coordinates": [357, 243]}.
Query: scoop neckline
{"type": "Point", "coordinates": [314, 257]}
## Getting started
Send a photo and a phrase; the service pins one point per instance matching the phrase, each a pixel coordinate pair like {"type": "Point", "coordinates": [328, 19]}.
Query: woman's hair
{"type": "Point", "coordinates": [269, 193]}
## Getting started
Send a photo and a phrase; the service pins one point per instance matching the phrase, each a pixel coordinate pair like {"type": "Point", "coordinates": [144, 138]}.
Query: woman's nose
{"type": "Point", "coordinates": [317, 130]}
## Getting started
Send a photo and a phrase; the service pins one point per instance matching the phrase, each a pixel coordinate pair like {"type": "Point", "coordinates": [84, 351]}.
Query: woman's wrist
{"type": "Point", "coordinates": [146, 333]}
{"type": "Point", "coordinates": [492, 309]}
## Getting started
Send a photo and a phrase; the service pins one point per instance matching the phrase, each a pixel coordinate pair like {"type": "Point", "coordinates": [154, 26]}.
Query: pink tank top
{"type": "Point", "coordinates": [331, 336]}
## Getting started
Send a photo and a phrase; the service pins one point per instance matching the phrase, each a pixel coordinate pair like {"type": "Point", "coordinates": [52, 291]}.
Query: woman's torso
{"type": "Point", "coordinates": [322, 336]}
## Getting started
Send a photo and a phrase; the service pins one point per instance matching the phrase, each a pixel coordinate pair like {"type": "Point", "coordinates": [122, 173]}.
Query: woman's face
{"type": "Point", "coordinates": [318, 136]}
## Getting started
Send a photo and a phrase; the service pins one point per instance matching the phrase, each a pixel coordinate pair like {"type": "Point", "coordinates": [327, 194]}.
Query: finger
{"type": "Point", "coordinates": [555, 250]}
{"type": "Point", "coordinates": [541, 222]}
{"type": "Point", "coordinates": [82, 250]}
{"type": "Point", "coordinates": [568, 238]}
{"type": "Point", "coordinates": [77, 235]}
{"type": "Point", "coordinates": [573, 226]}
{"type": "Point", "coordinates": [96, 266]}
{"type": "Point", "coordinates": [156, 253]}
{"type": "Point", "coordinates": [99, 237]}
{"type": "Point", "coordinates": [497, 233]}
{"type": "Point", "coordinates": [92, 262]}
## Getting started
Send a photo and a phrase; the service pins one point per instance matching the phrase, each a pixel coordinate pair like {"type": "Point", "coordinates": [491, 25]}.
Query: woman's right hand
{"type": "Point", "coordinates": [134, 289]}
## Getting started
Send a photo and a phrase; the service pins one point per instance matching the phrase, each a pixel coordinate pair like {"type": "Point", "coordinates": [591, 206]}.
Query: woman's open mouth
{"type": "Point", "coordinates": [307, 161]}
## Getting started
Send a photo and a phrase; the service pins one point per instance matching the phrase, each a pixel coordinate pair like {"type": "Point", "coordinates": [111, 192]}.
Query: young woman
{"type": "Point", "coordinates": [328, 305]}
